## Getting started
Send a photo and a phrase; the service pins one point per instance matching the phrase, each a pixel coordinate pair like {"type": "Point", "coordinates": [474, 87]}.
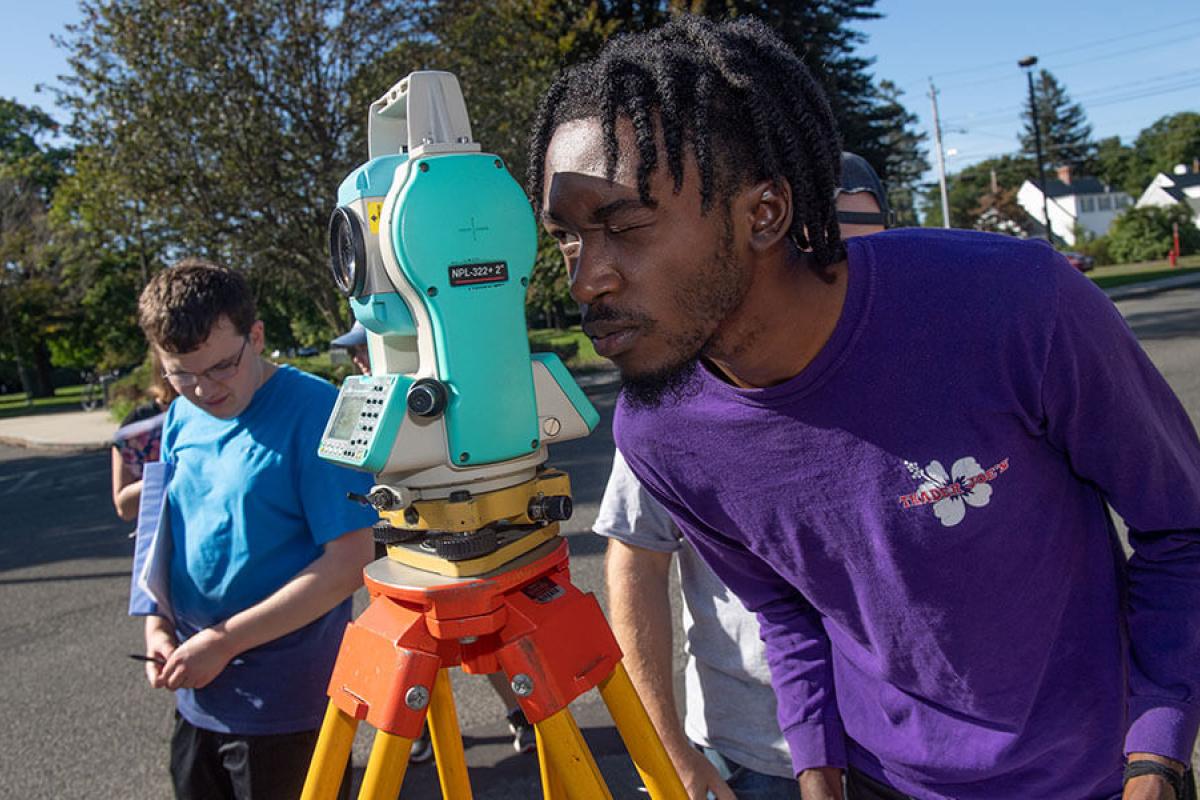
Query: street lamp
{"type": "Point", "coordinates": [1027, 63]}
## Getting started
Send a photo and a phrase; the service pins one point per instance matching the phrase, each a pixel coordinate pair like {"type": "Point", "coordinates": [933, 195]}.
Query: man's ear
{"type": "Point", "coordinates": [258, 338]}
{"type": "Point", "coordinates": [768, 209]}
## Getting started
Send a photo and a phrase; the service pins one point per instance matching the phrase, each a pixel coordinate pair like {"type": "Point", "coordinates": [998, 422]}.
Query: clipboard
{"type": "Point", "coordinates": [150, 578]}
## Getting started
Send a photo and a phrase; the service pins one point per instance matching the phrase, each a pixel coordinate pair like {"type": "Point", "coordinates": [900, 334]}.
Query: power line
{"type": "Point", "coordinates": [1105, 57]}
{"type": "Point", "coordinates": [1090, 99]}
{"type": "Point", "coordinates": [1007, 63]}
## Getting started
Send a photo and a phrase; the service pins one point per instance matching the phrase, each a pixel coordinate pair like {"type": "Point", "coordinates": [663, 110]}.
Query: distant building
{"type": "Point", "coordinates": [1085, 203]}
{"type": "Point", "coordinates": [1182, 186]}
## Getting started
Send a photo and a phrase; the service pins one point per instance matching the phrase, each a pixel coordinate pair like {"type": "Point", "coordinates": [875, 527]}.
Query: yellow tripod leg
{"type": "Point", "coordinates": [330, 755]}
{"type": "Point", "coordinates": [568, 759]}
{"type": "Point", "coordinates": [385, 767]}
{"type": "Point", "coordinates": [641, 740]}
{"type": "Point", "coordinates": [447, 740]}
{"type": "Point", "coordinates": [552, 788]}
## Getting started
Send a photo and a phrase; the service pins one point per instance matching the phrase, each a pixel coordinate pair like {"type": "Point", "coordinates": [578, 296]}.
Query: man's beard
{"type": "Point", "coordinates": [666, 385]}
{"type": "Point", "coordinates": [712, 295]}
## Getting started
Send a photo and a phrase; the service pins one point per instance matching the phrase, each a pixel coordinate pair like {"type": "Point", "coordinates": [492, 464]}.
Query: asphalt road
{"type": "Point", "coordinates": [79, 720]}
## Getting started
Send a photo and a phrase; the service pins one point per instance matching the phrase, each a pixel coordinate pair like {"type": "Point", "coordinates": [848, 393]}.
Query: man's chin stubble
{"type": "Point", "coordinates": [664, 386]}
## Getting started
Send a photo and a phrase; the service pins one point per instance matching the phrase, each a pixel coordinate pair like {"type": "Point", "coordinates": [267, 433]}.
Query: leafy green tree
{"type": "Point", "coordinates": [1143, 234]}
{"type": "Point", "coordinates": [971, 195]}
{"type": "Point", "coordinates": [905, 162]}
{"type": "Point", "coordinates": [30, 309]}
{"type": "Point", "coordinates": [1119, 166]}
{"type": "Point", "coordinates": [1066, 133]}
{"type": "Point", "coordinates": [1171, 140]}
{"type": "Point", "coordinates": [225, 128]}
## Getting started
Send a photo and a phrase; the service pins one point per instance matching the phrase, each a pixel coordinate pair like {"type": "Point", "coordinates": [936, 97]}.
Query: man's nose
{"type": "Point", "coordinates": [203, 384]}
{"type": "Point", "coordinates": [591, 275]}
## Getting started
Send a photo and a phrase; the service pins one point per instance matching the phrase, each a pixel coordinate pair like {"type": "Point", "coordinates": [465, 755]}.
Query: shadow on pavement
{"type": "Point", "coordinates": [58, 508]}
{"type": "Point", "coordinates": [1175, 324]}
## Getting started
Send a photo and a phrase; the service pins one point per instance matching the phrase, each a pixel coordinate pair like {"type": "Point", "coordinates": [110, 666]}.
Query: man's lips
{"type": "Point", "coordinates": [611, 339]}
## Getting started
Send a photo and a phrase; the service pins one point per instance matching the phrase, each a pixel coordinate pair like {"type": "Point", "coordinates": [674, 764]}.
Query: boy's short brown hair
{"type": "Point", "coordinates": [181, 304]}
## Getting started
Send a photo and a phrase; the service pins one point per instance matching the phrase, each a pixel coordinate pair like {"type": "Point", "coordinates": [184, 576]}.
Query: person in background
{"type": "Point", "coordinates": [354, 341]}
{"type": "Point", "coordinates": [265, 548]}
{"type": "Point", "coordinates": [862, 205]}
{"type": "Point", "coordinates": [137, 441]}
{"type": "Point", "coordinates": [729, 743]}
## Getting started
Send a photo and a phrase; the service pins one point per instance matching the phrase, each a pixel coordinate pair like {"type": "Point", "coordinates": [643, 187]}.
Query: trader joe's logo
{"type": "Point", "coordinates": [966, 484]}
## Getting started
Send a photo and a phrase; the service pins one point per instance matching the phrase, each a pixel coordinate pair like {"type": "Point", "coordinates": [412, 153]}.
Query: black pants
{"type": "Point", "coordinates": [206, 765]}
{"type": "Point", "coordinates": [862, 787]}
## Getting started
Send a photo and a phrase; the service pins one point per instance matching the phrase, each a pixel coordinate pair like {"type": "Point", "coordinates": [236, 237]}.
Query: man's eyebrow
{"type": "Point", "coordinates": [609, 210]}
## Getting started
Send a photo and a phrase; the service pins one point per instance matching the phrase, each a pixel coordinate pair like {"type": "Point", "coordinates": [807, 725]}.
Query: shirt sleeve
{"type": "Point", "coordinates": [1121, 427]}
{"type": "Point", "coordinates": [798, 648]}
{"type": "Point", "coordinates": [629, 514]}
{"type": "Point", "coordinates": [324, 486]}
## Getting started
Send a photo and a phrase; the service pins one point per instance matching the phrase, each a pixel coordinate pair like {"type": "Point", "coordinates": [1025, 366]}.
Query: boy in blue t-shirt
{"type": "Point", "coordinates": [266, 550]}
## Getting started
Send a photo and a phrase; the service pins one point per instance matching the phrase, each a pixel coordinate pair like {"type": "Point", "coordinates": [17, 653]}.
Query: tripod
{"type": "Point", "coordinates": [525, 618]}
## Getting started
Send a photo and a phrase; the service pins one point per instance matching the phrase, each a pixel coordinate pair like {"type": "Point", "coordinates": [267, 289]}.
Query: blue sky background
{"type": "Point", "coordinates": [1127, 66]}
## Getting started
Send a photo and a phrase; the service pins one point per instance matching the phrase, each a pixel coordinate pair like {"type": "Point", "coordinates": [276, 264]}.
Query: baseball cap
{"type": "Point", "coordinates": [858, 176]}
{"type": "Point", "coordinates": [354, 337]}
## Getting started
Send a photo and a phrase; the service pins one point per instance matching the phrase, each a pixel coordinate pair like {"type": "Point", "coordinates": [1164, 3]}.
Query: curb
{"type": "Point", "coordinates": [56, 447]}
{"type": "Point", "coordinates": [1148, 288]}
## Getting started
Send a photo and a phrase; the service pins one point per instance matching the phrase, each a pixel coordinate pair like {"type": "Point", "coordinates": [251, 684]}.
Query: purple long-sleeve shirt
{"type": "Point", "coordinates": [919, 520]}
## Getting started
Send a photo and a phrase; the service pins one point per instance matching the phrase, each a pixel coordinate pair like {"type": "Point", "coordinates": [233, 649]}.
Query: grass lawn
{"type": "Point", "coordinates": [1122, 274]}
{"type": "Point", "coordinates": [572, 346]}
{"type": "Point", "coordinates": [66, 398]}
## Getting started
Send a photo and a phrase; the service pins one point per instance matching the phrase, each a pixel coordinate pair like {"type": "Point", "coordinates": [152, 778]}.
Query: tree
{"type": "Point", "coordinates": [30, 168]}
{"type": "Point", "coordinates": [1171, 140]}
{"type": "Point", "coordinates": [1118, 165]}
{"type": "Point", "coordinates": [1143, 234]}
{"type": "Point", "coordinates": [973, 201]}
{"type": "Point", "coordinates": [905, 161]}
{"type": "Point", "coordinates": [1066, 134]}
{"type": "Point", "coordinates": [225, 128]}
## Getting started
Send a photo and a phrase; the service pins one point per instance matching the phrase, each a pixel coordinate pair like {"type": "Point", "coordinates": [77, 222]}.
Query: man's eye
{"type": "Point", "coordinates": [617, 230]}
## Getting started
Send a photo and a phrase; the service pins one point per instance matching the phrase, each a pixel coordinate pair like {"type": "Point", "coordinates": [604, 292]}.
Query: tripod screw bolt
{"type": "Point", "coordinates": [416, 698]}
{"type": "Point", "coordinates": [522, 685]}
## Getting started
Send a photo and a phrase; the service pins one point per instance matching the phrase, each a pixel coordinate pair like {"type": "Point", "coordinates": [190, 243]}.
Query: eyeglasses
{"type": "Point", "coordinates": [222, 371]}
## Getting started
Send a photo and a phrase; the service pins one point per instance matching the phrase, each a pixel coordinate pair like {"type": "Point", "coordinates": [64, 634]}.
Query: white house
{"type": "Point", "coordinates": [1183, 186]}
{"type": "Point", "coordinates": [1084, 202]}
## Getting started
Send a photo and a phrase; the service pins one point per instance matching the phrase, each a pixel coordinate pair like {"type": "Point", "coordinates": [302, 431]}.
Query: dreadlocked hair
{"type": "Point", "coordinates": [731, 91]}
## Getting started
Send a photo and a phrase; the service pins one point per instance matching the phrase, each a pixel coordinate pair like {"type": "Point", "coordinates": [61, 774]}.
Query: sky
{"type": "Point", "coordinates": [1127, 66]}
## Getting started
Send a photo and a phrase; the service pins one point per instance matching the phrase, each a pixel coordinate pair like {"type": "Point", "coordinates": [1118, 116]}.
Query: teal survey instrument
{"type": "Point", "coordinates": [433, 241]}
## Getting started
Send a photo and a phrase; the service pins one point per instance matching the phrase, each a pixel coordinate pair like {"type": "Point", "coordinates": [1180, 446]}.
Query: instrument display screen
{"type": "Point", "coordinates": [348, 411]}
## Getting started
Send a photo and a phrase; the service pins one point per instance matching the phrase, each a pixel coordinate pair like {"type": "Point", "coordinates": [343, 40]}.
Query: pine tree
{"type": "Point", "coordinates": [1066, 133]}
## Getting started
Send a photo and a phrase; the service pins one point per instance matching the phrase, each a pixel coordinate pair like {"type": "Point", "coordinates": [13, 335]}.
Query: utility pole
{"type": "Point", "coordinates": [1027, 63]}
{"type": "Point", "coordinates": [941, 157]}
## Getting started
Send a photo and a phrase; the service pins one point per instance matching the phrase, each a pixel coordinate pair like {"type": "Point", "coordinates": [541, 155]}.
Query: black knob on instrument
{"type": "Point", "coordinates": [552, 508]}
{"type": "Point", "coordinates": [427, 398]}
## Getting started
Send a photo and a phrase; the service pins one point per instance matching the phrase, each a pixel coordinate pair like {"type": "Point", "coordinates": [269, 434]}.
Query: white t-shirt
{"type": "Point", "coordinates": [730, 703]}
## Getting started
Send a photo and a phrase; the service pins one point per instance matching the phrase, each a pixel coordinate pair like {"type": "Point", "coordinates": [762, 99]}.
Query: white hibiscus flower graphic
{"type": "Point", "coordinates": [951, 510]}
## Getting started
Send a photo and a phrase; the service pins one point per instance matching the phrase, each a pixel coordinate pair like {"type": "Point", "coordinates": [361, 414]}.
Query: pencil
{"type": "Point", "coordinates": [155, 659]}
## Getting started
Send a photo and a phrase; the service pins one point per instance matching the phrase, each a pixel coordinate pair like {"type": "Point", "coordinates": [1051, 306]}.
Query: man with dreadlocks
{"type": "Point", "coordinates": [895, 450]}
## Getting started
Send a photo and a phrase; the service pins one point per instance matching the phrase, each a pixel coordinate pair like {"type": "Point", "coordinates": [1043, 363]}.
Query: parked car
{"type": "Point", "coordinates": [1079, 261]}
{"type": "Point", "coordinates": [307, 351]}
